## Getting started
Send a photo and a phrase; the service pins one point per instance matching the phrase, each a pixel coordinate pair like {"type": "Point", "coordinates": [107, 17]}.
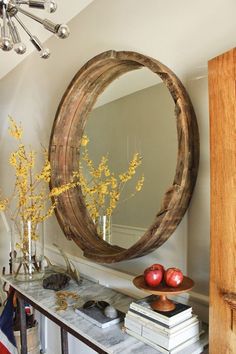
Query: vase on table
{"type": "Point", "coordinates": [103, 223]}
{"type": "Point", "coordinates": [27, 250]}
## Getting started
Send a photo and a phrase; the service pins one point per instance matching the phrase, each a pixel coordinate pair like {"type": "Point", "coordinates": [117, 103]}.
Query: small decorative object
{"type": "Point", "coordinates": [56, 281]}
{"type": "Point", "coordinates": [102, 189]}
{"type": "Point", "coordinates": [10, 37]}
{"type": "Point", "coordinates": [162, 303]}
{"type": "Point", "coordinates": [173, 277]}
{"type": "Point", "coordinates": [100, 304]}
{"type": "Point", "coordinates": [62, 299]}
{"type": "Point", "coordinates": [32, 202]}
{"type": "Point", "coordinates": [70, 269]}
{"type": "Point", "coordinates": [153, 275]}
{"type": "Point", "coordinates": [110, 312]}
{"type": "Point", "coordinates": [100, 313]}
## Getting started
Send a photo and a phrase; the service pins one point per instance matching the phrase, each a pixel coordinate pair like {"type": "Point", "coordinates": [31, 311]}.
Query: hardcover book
{"type": "Point", "coordinates": [170, 318]}
{"type": "Point", "coordinates": [96, 316]}
{"type": "Point", "coordinates": [191, 346]}
{"type": "Point", "coordinates": [161, 338]}
{"type": "Point", "coordinates": [157, 325]}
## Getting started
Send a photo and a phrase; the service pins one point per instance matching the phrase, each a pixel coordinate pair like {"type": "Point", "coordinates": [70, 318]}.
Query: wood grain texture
{"type": "Point", "coordinates": [222, 97]}
{"type": "Point", "coordinates": [162, 303]}
{"type": "Point", "coordinates": [64, 150]}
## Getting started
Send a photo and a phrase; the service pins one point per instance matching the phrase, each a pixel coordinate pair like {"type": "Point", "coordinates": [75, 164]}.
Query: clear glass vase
{"type": "Point", "coordinates": [104, 227]}
{"type": "Point", "coordinates": [27, 250]}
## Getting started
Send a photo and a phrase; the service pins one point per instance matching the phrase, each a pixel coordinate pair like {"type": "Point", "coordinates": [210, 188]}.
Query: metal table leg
{"type": "Point", "coordinates": [64, 341]}
{"type": "Point", "coordinates": [23, 329]}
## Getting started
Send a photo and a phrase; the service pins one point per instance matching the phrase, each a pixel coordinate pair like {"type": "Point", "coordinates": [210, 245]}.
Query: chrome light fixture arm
{"type": "Point", "coordinates": [10, 37]}
{"type": "Point", "coordinates": [44, 52]}
{"type": "Point", "coordinates": [47, 24]}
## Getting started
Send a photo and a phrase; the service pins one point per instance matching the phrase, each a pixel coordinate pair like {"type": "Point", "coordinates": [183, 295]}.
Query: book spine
{"type": "Point", "coordinates": [152, 324]}
{"type": "Point", "coordinates": [145, 322]}
{"type": "Point", "coordinates": [153, 336]}
{"type": "Point", "coordinates": [177, 350]}
{"type": "Point", "coordinates": [172, 342]}
{"type": "Point", "coordinates": [161, 338]}
{"type": "Point", "coordinates": [180, 348]}
{"type": "Point", "coordinates": [147, 313]}
{"type": "Point", "coordinates": [144, 340]}
{"type": "Point", "coordinates": [160, 315]}
{"type": "Point", "coordinates": [170, 322]}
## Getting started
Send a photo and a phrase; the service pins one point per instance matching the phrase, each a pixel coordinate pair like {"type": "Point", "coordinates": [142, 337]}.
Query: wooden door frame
{"type": "Point", "coordinates": [222, 105]}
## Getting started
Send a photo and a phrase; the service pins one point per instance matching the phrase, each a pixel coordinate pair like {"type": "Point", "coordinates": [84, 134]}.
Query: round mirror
{"type": "Point", "coordinates": [131, 125]}
{"type": "Point", "coordinates": [134, 116]}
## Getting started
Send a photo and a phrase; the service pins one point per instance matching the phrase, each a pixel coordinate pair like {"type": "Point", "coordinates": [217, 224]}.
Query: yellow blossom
{"type": "Point", "coordinates": [113, 182]}
{"type": "Point", "coordinates": [3, 204]}
{"type": "Point", "coordinates": [45, 173]}
{"type": "Point", "coordinates": [56, 191]}
{"type": "Point", "coordinates": [84, 140]}
{"type": "Point", "coordinates": [31, 196]}
{"type": "Point", "coordinates": [139, 184]}
{"type": "Point", "coordinates": [100, 187]}
{"type": "Point", "coordinates": [15, 130]}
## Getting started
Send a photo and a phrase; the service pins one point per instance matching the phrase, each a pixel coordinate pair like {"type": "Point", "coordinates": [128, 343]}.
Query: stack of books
{"type": "Point", "coordinates": [171, 332]}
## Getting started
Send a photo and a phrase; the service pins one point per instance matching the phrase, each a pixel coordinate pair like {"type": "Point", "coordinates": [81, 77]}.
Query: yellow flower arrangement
{"type": "Point", "coordinates": [100, 187]}
{"type": "Point", "coordinates": [31, 198]}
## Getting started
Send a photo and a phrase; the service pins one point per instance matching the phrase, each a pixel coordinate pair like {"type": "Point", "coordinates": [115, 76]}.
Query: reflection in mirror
{"type": "Point", "coordinates": [135, 114]}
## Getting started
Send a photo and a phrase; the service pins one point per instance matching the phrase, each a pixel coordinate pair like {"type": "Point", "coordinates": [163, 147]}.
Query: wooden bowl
{"type": "Point", "coordinates": [162, 303]}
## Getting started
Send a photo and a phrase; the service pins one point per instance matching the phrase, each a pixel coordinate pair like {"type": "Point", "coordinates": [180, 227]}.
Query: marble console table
{"type": "Point", "coordinates": [107, 340]}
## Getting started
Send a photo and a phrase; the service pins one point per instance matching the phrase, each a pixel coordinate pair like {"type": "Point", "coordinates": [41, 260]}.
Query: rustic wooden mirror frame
{"type": "Point", "coordinates": [68, 128]}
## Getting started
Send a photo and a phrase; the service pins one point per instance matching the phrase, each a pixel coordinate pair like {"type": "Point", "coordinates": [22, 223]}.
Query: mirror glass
{"type": "Point", "coordinates": [134, 115]}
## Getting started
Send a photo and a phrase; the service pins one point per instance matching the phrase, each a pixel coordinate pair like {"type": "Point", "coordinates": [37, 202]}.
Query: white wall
{"type": "Point", "coordinates": [143, 122]}
{"type": "Point", "coordinates": [31, 94]}
{"type": "Point", "coordinates": [199, 211]}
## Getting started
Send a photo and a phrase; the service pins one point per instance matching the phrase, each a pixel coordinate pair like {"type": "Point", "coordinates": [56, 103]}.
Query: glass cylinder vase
{"type": "Point", "coordinates": [27, 250]}
{"type": "Point", "coordinates": [104, 227]}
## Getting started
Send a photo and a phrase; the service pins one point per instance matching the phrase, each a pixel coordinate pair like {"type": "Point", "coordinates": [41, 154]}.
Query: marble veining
{"type": "Point", "coordinates": [112, 339]}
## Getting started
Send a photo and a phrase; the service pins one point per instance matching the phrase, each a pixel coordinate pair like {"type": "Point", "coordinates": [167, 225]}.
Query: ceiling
{"type": "Point", "coordinates": [64, 13]}
{"type": "Point", "coordinates": [183, 34]}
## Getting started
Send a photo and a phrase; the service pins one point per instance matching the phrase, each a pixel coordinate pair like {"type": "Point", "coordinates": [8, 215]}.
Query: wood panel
{"type": "Point", "coordinates": [222, 98]}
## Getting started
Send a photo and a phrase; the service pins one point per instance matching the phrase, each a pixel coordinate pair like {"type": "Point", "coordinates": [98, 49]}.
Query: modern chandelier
{"type": "Point", "coordinates": [10, 36]}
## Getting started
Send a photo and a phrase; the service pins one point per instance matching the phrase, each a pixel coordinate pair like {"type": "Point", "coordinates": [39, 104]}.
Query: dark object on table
{"type": "Point", "coordinates": [108, 310]}
{"type": "Point", "coordinates": [99, 304]}
{"type": "Point", "coordinates": [70, 269]}
{"type": "Point", "coordinates": [56, 281]}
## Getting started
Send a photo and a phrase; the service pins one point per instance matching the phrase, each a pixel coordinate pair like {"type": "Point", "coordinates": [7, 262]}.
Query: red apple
{"type": "Point", "coordinates": [173, 277]}
{"type": "Point", "coordinates": [153, 275]}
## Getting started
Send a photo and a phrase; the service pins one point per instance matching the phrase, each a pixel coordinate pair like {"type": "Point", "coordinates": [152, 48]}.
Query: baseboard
{"type": "Point", "coordinates": [122, 282]}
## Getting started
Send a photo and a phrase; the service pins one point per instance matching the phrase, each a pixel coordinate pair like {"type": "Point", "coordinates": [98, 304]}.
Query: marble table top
{"type": "Point", "coordinates": [111, 340]}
